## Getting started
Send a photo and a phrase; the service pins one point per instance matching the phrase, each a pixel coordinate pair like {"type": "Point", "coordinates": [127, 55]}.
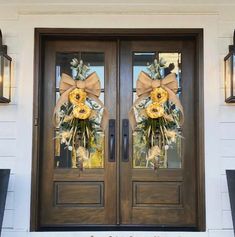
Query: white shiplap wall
{"type": "Point", "coordinates": [8, 121]}
{"type": "Point", "coordinates": [18, 21]}
{"type": "Point", "coordinates": [227, 124]}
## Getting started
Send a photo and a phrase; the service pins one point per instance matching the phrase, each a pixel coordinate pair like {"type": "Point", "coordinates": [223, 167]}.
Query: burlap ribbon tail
{"type": "Point", "coordinates": [91, 86]}
{"type": "Point", "coordinates": [145, 85]}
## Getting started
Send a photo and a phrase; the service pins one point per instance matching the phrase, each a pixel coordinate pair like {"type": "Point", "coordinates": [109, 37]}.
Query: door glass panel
{"type": "Point", "coordinates": [174, 154]}
{"type": "Point", "coordinates": [7, 76]}
{"type": "Point", "coordinates": [63, 157]}
{"type": "Point", "coordinates": [95, 61]}
{"type": "Point", "coordinates": [228, 75]}
{"type": "Point", "coordinates": [140, 144]}
{"type": "Point", "coordinates": [140, 62]}
{"type": "Point", "coordinates": [233, 64]}
{"type": "Point", "coordinates": [173, 58]}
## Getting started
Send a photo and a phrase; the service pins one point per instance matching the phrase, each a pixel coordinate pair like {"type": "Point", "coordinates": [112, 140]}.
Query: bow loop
{"type": "Point", "coordinates": [170, 82]}
{"type": "Point", "coordinates": [91, 85]}
{"type": "Point", "coordinates": [145, 85]}
{"type": "Point", "coordinates": [66, 83]}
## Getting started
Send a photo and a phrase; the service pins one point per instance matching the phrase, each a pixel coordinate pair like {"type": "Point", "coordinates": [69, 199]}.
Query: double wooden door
{"type": "Point", "coordinates": [117, 188]}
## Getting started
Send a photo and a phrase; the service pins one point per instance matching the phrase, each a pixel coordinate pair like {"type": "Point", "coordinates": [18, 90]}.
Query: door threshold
{"type": "Point", "coordinates": [118, 228]}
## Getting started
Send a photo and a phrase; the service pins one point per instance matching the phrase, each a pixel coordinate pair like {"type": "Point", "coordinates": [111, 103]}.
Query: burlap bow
{"type": "Point", "coordinates": [91, 86]}
{"type": "Point", "coordinates": [145, 85]}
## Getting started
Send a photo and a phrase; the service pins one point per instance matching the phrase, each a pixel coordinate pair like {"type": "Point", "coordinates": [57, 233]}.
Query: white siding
{"type": "Point", "coordinates": [227, 127]}
{"type": "Point", "coordinates": [18, 20]}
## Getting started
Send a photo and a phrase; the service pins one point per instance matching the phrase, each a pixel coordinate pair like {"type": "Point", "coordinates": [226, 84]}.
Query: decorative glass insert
{"type": "Point", "coordinates": [7, 77]}
{"type": "Point", "coordinates": [140, 61]}
{"type": "Point", "coordinates": [64, 158]}
{"type": "Point", "coordinates": [173, 58]}
{"type": "Point", "coordinates": [233, 62]}
{"type": "Point", "coordinates": [140, 149]}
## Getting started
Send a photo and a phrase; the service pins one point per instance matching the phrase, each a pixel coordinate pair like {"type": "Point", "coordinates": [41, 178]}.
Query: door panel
{"type": "Point", "coordinates": [159, 197]}
{"type": "Point", "coordinates": [68, 196]}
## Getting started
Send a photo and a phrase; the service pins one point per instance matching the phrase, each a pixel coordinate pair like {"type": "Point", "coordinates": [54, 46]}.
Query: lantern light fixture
{"type": "Point", "coordinates": [5, 73]}
{"type": "Point", "coordinates": [229, 73]}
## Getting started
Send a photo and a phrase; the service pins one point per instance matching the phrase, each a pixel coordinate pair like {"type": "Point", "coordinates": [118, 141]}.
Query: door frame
{"type": "Point", "coordinates": [43, 34]}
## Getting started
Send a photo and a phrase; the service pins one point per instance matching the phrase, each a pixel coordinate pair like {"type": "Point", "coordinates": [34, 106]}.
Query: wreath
{"type": "Point", "coordinates": [79, 114]}
{"type": "Point", "coordinates": [157, 114]}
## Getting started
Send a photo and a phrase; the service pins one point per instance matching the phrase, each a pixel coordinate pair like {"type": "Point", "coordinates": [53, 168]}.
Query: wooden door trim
{"type": "Point", "coordinates": [43, 34]}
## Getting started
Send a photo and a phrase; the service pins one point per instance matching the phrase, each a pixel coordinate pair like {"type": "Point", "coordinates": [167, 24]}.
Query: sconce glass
{"type": "Point", "coordinates": [5, 73]}
{"type": "Point", "coordinates": [229, 73]}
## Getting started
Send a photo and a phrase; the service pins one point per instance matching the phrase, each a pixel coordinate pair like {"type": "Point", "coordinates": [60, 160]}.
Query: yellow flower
{"type": "Point", "coordinates": [77, 96]}
{"type": "Point", "coordinates": [81, 111]}
{"type": "Point", "coordinates": [82, 153]}
{"type": "Point", "coordinates": [155, 111]}
{"type": "Point", "coordinates": [159, 95]}
{"type": "Point", "coordinates": [68, 118]}
{"type": "Point", "coordinates": [171, 134]}
{"type": "Point", "coordinates": [153, 153]}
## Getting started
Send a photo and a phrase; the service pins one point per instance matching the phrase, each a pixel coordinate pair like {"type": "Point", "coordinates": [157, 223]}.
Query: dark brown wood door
{"type": "Point", "coordinates": [69, 197]}
{"type": "Point", "coordinates": [124, 191]}
{"type": "Point", "coordinates": [166, 197]}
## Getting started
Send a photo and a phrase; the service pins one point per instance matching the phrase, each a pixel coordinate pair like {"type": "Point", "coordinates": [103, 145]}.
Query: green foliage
{"type": "Point", "coordinates": [155, 69]}
{"type": "Point", "coordinates": [80, 68]}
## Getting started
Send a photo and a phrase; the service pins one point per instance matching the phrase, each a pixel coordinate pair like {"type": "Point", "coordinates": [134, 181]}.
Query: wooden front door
{"type": "Point", "coordinates": [70, 197]}
{"type": "Point", "coordinates": [166, 197]}
{"type": "Point", "coordinates": [117, 189]}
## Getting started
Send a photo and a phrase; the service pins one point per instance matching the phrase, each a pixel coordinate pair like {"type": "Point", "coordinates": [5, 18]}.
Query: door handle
{"type": "Point", "coordinates": [112, 140]}
{"type": "Point", "coordinates": [125, 140]}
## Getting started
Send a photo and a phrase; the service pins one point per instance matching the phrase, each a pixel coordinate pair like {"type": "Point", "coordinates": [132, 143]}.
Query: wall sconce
{"type": "Point", "coordinates": [229, 76]}
{"type": "Point", "coordinates": [5, 73]}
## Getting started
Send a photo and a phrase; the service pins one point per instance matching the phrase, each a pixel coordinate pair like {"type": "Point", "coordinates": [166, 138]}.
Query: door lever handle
{"type": "Point", "coordinates": [112, 140]}
{"type": "Point", "coordinates": [125, 140]}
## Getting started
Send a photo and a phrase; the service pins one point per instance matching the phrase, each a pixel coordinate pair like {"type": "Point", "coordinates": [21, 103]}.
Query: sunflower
{"type": "Point", "coordinates": [77, 96]}
{"type": "Point", "coordinates": [155, 110]}
{"type": "Point", "coordinates": [159, 95]}
{"type": "Point", "coordinates": [81, 111]}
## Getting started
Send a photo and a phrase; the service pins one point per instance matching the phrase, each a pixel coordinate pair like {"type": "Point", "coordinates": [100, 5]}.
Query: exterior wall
{"type": "Point", "coordinates": [18, 23]}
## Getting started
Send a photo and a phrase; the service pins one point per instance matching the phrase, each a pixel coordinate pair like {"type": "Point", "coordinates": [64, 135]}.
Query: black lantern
{"type": "Point", "coordinates": [229, 73]}
{"type": "Point", "coordinates": [5, 73]}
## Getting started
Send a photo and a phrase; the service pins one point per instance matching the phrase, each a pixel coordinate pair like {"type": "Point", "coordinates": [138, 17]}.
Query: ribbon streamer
{"type": "Point", "coordinates": [91, 85]}
{"type": "Point", "coordinates": [145, 85]}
